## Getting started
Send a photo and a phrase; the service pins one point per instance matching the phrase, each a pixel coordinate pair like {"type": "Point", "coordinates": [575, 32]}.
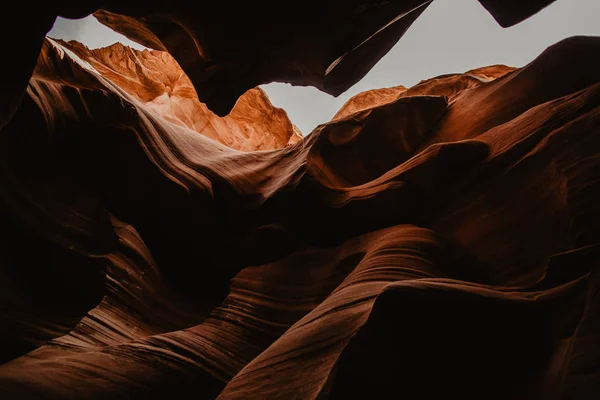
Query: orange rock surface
{"type": "Point", "coordinates": [154, 78]}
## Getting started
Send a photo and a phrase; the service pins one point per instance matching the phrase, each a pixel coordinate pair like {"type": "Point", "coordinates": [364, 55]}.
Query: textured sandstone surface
{"type": "Point", "coordinates": [154, 78]}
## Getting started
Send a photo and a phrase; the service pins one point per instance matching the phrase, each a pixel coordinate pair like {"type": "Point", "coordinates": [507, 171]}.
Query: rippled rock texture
{"type": "Point", "coordinates": [435, 241]}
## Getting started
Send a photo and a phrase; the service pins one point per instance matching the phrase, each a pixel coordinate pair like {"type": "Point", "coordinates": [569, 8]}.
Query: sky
{"type": "Point", "coordinates": [450, 36]}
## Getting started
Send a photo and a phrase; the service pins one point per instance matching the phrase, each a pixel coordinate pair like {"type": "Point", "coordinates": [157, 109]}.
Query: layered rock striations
{"type": "Point", "coordinates": [435, 241]}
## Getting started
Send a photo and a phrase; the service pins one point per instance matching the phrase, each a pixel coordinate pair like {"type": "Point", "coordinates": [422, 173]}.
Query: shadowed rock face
{"type": "Point", "coordinates": [510, 12]}
{"type": "Point", "coordinates": [439, 240]}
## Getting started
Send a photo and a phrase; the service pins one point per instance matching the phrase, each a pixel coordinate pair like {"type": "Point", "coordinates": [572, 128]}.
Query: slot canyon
{"type": "Point", "coordinates": [168, 231]}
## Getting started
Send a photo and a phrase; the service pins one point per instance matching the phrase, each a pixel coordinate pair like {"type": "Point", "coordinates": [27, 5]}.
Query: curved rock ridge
{"type": "Point", "coordinates": [155, 79]}
{"type": "Point", "coordinates": [227, 49]}
{"type": "Point", "coordinates": [443, 241]}
{"type": "Point", "coordinates": [445, 85]}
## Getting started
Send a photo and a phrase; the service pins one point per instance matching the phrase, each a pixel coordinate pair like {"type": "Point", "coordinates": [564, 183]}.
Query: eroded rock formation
{"type": "Point", "coordinates": [436, 241]}
{"type": "Point", "coordinates": [431, 241]}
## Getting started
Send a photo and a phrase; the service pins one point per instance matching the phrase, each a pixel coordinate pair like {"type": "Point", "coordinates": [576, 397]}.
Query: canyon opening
{"type": "Point", "coordinates": [318, 200]}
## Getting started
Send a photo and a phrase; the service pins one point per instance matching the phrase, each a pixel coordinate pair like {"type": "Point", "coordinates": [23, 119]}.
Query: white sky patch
{"type": "Point", "coordinates": [89, 32]}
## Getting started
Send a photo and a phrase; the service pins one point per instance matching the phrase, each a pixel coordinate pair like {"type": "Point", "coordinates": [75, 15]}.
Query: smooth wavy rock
{"type": "Point", "coordinates": [443, 240]}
